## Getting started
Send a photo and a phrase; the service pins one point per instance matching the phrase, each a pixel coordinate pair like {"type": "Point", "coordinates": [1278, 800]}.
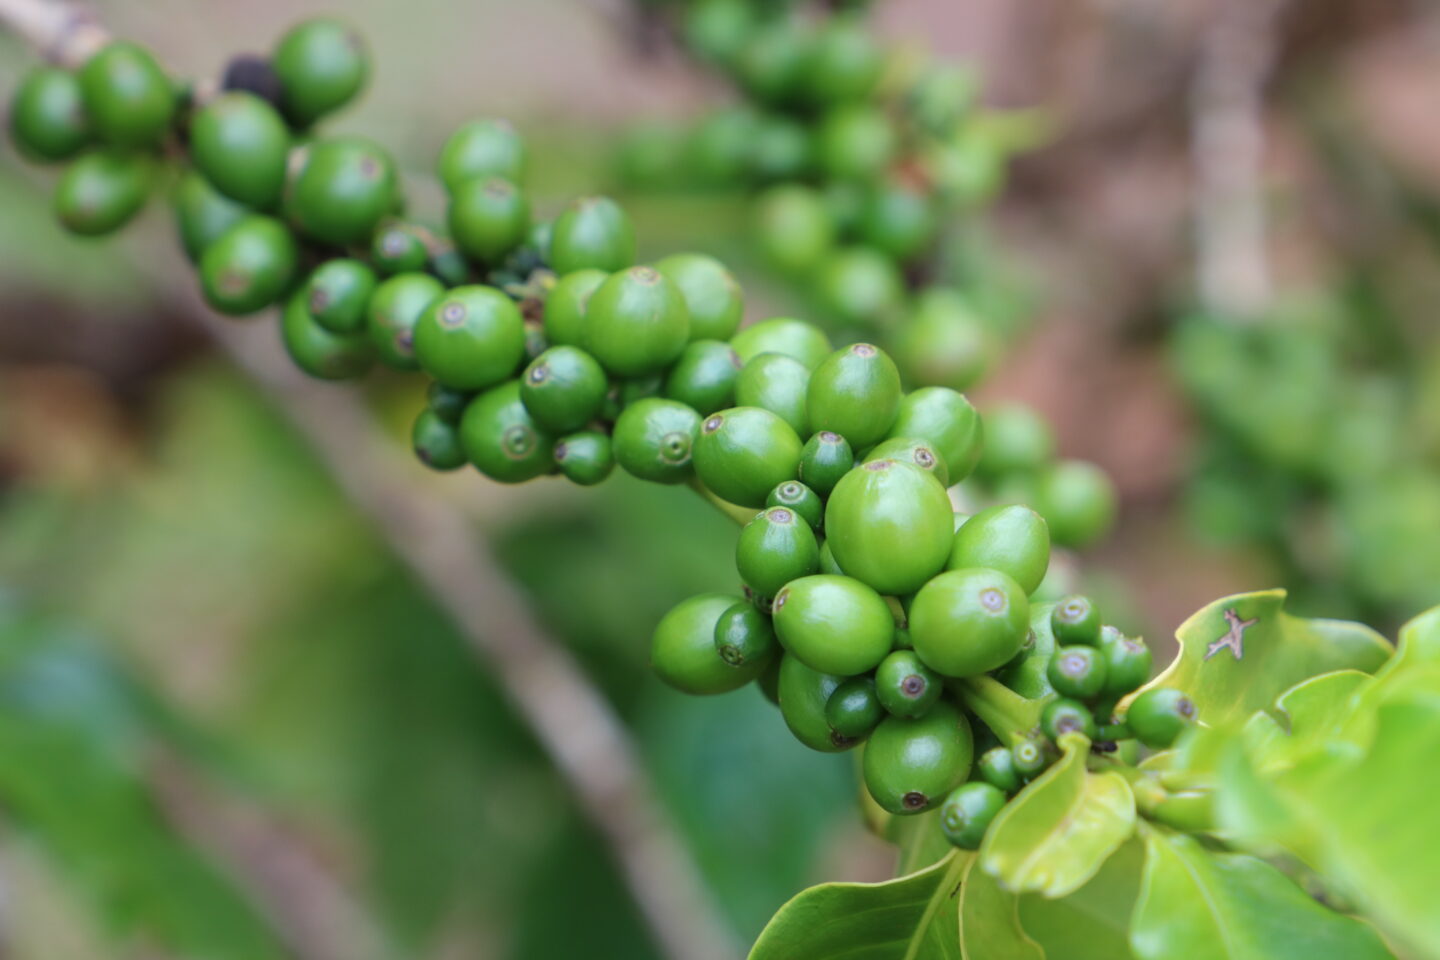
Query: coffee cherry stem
{"type": "Point", "coordinates": [741, 515]}
{"type": "Point", "coordinates": [1011, 717]}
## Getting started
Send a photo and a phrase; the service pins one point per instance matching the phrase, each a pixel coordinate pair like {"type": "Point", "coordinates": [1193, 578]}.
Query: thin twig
{"type": "Point", "coordinates": [1227, 133]}
{"type": "Point", "coordinates": [571, 720]}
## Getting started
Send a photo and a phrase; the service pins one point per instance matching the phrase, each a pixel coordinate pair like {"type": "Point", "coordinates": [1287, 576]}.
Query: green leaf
{"type": "Point", "coordinates": [1055, 835]}
{"type": "Point", "coordinates": [909, 918]}
{"type": "Point", "coordinates": [920, 839]}
{"type": "Point", "coordinates": [990, 921]}
{"type": "Point", "coordinates": [1239, 653]}
{"type": "Point", "coordinates": [1305, 717]}
{"type": "Point", "coordinates": [1093, 923]}
{"type": "Point", "coordinates": [1212, 906]}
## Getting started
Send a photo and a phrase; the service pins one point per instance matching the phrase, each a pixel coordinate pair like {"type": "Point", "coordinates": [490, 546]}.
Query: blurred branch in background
{"type": "Point", "coordinates": [571, 720]}
{"type": "Point", "coordinates": [1236, 54]}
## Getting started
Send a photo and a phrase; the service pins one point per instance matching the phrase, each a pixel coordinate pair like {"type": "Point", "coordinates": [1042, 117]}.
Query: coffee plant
{"type": "Point", "coordinates": [1265, 795]}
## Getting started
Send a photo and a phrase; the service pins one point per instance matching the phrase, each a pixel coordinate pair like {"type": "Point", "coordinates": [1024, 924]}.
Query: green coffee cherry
{"type": "Point", "coordinates": [1159, 715]}
{"type": "Point", "coordinates": [804, 694]}
{"type": "Point", "coordinates": [448, 263]}
{"type": "Point", "coordinates": [844, 62]}
{"type": "Point", "coordinates": [794, 228]}
{"type": "Point", "coordinates": [967, 622]}
{"type": "Point", "coordinates": [102, 191]}
{"type": "Point", "coordinates": [794, 495]}
{"type": "Point", "coordinates": [744, 637]}
{"type": "Point", "coordinates": [1064, 715]}
{"type": "Point", "coordinates": [968, 812]}
{"type": "Point", "coordinates": [996, 767]}
{"type": "Point", "coordinates": [250, 266]}
{"type": "Point", "coordinates": [342, 190]}
{"type": "Point", "coordinates": [655, 440]}
{"type": "Point", "coordinates": [395, 310]}
{"type": "Point", "coordinates": [776, 547]}
{"type": "Point", "coordinates": [855, 142]}
{"type": "Point", "coordinates": [479, 150]}
{"type": "Point", "coordinates": [240, 143]}
{"type": "Point", "coordinates": [631, 390]}
{"type": "Point", "coordinates": [919, 453]}
{"type": "Point", "coordinates": [910, 765]}
{"type": "Point", "coordinates": [854, 710]}
{"type": "Point", "coordinates": [682, 650]}
{"type": "Point", "coordinates": [824, 460]}
{"type": "Point", "coordinates": [794, 338]}
{"type": "Point", "coordinates": [1012, 539]}
{"type": "Point", "coordinates": [1077, 672]}
{"type": "Point", "coordinates": [437, 443]}
{"type": "Point", "coordinates": [860, 287]}
{"type": "Point", "coordinates": [128, 99]}
{"type": "Point", "coordinates": [898, 219]}
{"type": "Point", "coordinates": [781, 149]}
{"type": "Point", "coordinates": [322, 64]}
{"type": "Point", "coordinates": [769, 681]}
{"type": "Point", "coordinates": [470, 339]}
{"type": "Point", "coordinates": [317, 351]}
{"type": "Point", "coordinates": [1016, 440]}
{"type": "Point", "coordinates": [944, 343]}
{"type": "Point", "coordinates": [1127, 663]}
{"type": "Point", "coordinates": [592, 233]}
{"type": "Point", "coordinates": [906, 687]}
{"type": "Point", "coordinates": [488, 218]}
{"type": "Point", "coordinates": [338, 295]}
{"type": "Point", "coordinates": [585, 458]}
{"type": "Point", "coordinates": [501, 439]}
{"type": "Point", "coordinates": [743, 452]}
{"type": "Point", "coordinates": [776, 383]}
{"type": "Point", "coordinates": [771, 67]}
{"type": "Point", "coordinates": [636, 322]}
{"type": "Point", "coordinates": [400, 247]}
{"type": "Point", "coordinates": [448, 404]}
{"type": "Point", "coordinates": [704, 376]}
{"type": "Point", "coordinates": [565, 307]}
{"type": "Point", "coordinates": [717, 30]}
{"type": "Point", "coordinates": [888, 524]}
{"type": "Point", "coordinates": [712, 297]}
{"type": "Point", "coordinates": [202, 214]}
{"type": "Point", "coordinates": [1076, 620]}
{"type": "Point", "coordinates": [1078, 500]}
{"type": "Point", "coordinates": [1030, 759]}
{"type": "Point", "coordinates": [563, 389]}
{"type": "Point", "coordinates": [855, 392]}
{"type": "Point", "coordinates": [719, 149]}
{"type": "Point", "coordinates": [834, 624]}
{"type": "Point", "coordinates": [945, 420]}
{"type": "Point", "coordinates": [827, 561]}
{"type": "Point", "coordinates": [47, 116]}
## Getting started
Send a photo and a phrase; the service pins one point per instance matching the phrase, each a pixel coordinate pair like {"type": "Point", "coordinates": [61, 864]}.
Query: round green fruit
{"type": "Point", "coordinates": [802, 341]}
{"type": "Point", "coordinates": [794, 495]}
{"type": "Point", "coordinates": [855, 142]}
{"type": "Point", "coordinates": [501, 439]}
{"type": "Point", "coordinates": [943, 343]}
{"type": "Point", "coordinates": [794, 228]}
{"type": "Point", "coordinates": [854, 710]}
{"type": "Point", "coordinates": [1016, 440]}
{"type": "Point", "coordinates": [1030, 759]}
{"type": "Point", "coordinates": [996, 767]}
{"type": "Point", "coordinates": [1078, 500]}
{"type": "Point", "coordinates": [888, 524]}
{"type": "Point", "coordinates": [744, 637]}
{"type": "Point", "coordinates": [906, 687]}
{"type": "Point", "coordinates": [704, 376]}
{"type": "Point", "coordinates": [1065, 715]}
{"type": "Point", "coordinates": [202, 214]}
{"type": "Point", "coordinates": [844, 63]}
{"type": "Point", "coordinates": [449, 404]}
{"type": "Point", "coordinates": [488, 218]}
{"type": "Point", "coordinates": [593, 233]}
{"type": "Point", "coordinates": [898, 219]}
{"type": "Point", "coordinates": [471, 338]}
{"type": "Point", "coordinates": [102, 191]}
{"type": "Point", "coordinates": [437, 443]}
{"type": "Point", "coordinates": [342, 190]}
{"type": "Point", "coordinates": [717, 30]}
{"type": "Point", "coordinates": [250, 266]}
{"type": "Point", "coordinates": [636, 322]}
{"type": "Point", "coordinates": [944, 419]}
{"type": "Point", "coordinates": [479, 150]}
{"type": "Point", "coordinates": [241, 144]}
{"type": "Point", "coordinates": [322, 64]}
{"type": "Point", "coordinates": [1011, 538]}
{"type": "Point", "coordinates": [1077, 672]}
{"type": "Point", "coordinates": [775, 548]}
{"type": "Point", "coordinates": [919, 453]}
{"type": "Point", "coordinates": [968, 812]}
{"type": "Point", "coordinates": [712, 297]}
{"type": "Point", "coordinates": [968, 622]}
{"type": "Point", "coordinates": [585, 458]}
{"type": "Point", "coordinates": [855, 392]}
{"type": "Point", "coordinates": [911, 765]}
{"type": "Point", "coordinates": [47, 116]}
{"type": "Point", "coordinates": [400, 247]}
{"type": "Point", "coordinates": [1127, 663]}
{"type": "Point", "coordinates": [1158, 716]}
{"type": "Point", "coordinates": [128, 99]}
{"type": "Point", "coordinates": [772, 66]}
{"type": "Point", "coordinates": [395, 310]}
{"type": "Point", "coordinates": [1075, 619]}
{"type": "Point", "coordinates": [776, 383]}
{"type": "Point", "coordinates": [563, 389]}
{"type": "Point", "coordinates": [566, 304]}
{"type": "Point", "coordinates": [317, 351]}
{"type": "Point", "coordinates": [744, 452]}
{"type": "Point", "coordinates": [682, 650]}
{"type": "Point", "coordinates": [834, 624]}
{"type": "Point", "coordinates": [655, 440]}
{"type": "Point", "coordinates": [860, 286]}
{"type": "Point", "coordinates": [338, 294]}
{"type": "Point", "coordinates": [804, 694]}
{"type": "Point", "coordinates": [824, 460]}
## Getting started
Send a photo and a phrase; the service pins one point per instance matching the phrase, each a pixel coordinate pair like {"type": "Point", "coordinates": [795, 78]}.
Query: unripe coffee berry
{"type": "Point", "coordinates": [585, 458]}
{"type": "Point", "coordinates": [655, 440]}
{"type": "Point", "coordinates": [744, 452]}
{"type": "Point", "coordinates": [906, 687]}
{"type": "Point", "coordinates": [968, 812]}
{"type": "Point", "coordinates": [854, 710]}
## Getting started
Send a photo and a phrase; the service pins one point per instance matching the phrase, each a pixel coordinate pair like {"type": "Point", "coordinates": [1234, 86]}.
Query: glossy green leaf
{"type": "Point", "coordinates": [1239, 653]}
{"type": "Point", "coordinates": [909, 918]}
{"type": "Point", "coordinates": [990, 921]}
{"type": "Point", "coordinates": [1093, 923]}
{"type": "Point", "coordinates": [1055, 835]}
{"type": "Point", "coordinates": [1305, 717]}
{"type": "Point", "coordinates": [1211, 906]}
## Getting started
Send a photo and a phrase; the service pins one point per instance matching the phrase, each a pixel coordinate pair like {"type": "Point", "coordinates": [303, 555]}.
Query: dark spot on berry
{"type": "Point", "coordinates": [319, 300]}
{"type": "Point", "coordinates": [915, 800]}
{"type": "Point", "coordinates": [879, 465]}
{"type": "Point", "coordinates": [779, 600]}
{"type": "Point", "coordinates": [1185, 707]}
{"type": "Point", "coordinates": [731, 655]}
{"type": "Point", "coordinates": [453, 314]}
{"type": "Point", "coordinates": [735, 360]}
{"type": "Point", "coordinates": [992, 600]}
{"type": "Point", "coordinates": [791, 490]}
{"type": "Point", "coordinates": [827, 436]}
{"type": "Point", "coordinates": [539, 373]}
{"type": "Point", "coordinates": [913, 685]}
{"type": "Point", "coordinates": [864, 350]}
{"type": "Point", "coordinates": [840, 740]}
{"type": "Point", "coordinates": [252, 73]}
{"type": "Point", "coordinates": [675, 447]}
{"type": "Point", "coordinates": [517, 441]}
{"type": "Point", "coordinates": [781, 515]}
{"type": "Point", "coordinates": [925, 458]}
{"type": "Point", "coordinates": [645, 274]}
{"type": "Point", "coordinates": [713, 423]}
{"type": "Point", "coordinates": [560, 450]}
{"type": "Point", "coordinates": [405, 341]}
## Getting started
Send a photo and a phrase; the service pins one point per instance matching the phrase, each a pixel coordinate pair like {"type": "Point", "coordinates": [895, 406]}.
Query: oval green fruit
{"type": "Point", "coordinates": [854, 710]}
{"type": "Point", "coordinates": [502, 440]}
{"type": "Point", "coordinates": [919, 453]}
{"type": "Point", "coordinates": [712, 297]}
{"type": "Point", "coordinates": [1077, 672]}
{"type": "Point", "coordinates": [855, 393]}
{"type": "Point", "coordinates": [395, 310]}
{"type": "Point", "coordinates": [471, 338]}
{"type": "Point", "coordinates": [793, 338]}
{"type": "Point", "coordinates": [804, 694]}
{"type": "Point", "coordinates": [744, 637]}
{"type": "Point", "coordinates": [795, 229]}
{"type": "Point", "coordinates": [1159, 715]}
{"type": "Point", "coordinates": [825, 459]}
{"type": "Point", "coordinates": [682, 649]}
{"type": "Point", "coordinates": [944, 343]}
{"type": "Point", "coordinates": [911, 765]}
{"type": "Point", "coordinates": [1017, 440]}
{"type": "Point", "coordinates": [968, 812]}
{"type": "Point", "coordinates": [794, 495]}
{"type": "Point", "coordinates": [1011, 538]}
{"type": "Point", "coordinates": [948, 422]}
{"type": "Point", "coordinates": [102, 191]}
{"type": "Point", "coordinates": [996, 767]}
{"type": "Point", "coordinates": [834, 624]}
{"type": "Point", "coordinates": [128, 98]}
{"type": "Point", "coordinates": [317, 351]}
{"type": "Point", "coordinates": [1065, 715]}
{"type": "Point", "coordinates": [338, 294]}
{"type": "Point", "coordinates": [592, 233]}
{"type": "Point", "coordinates": [47, 116]}
{"type": "Point", "coordinates": [898, 219]}
{"type": "Point", "coordinates": [860, 287]}
{"type": "Point", "coordinates": [202, 214]}
{"type": "Point", "coordinates": [888, 524]}
{"type": "Point", "coordinates": [566, 304]}
{"type": "Point", "coordinates": [479, 150]}
{"type": "Point", "coordinates": [342, 190]}
{"type": "Point", "coordinates": [655, 440]}
{"type": "Point", "coordinates": [241, 144]}
{"type": "Point", "coordinates": [968, 622]}
{"type": "Point", "coordinates": [1127, 663]}
{"type": "Point", "coordinates": [563, 389]}
{"type": "Point", "coordinates": [585, 458]}
{"type": "Point", "coordinates": [250, 266]}
{"type": "Point", "coordinates": [704, 376]}
{"type": "Point", "coordinates": [488, 218]}
{"type": "Point", "coordinates": [845, 61]}
{"type": "Point", "coordinates": [774, 548]}
{"type": "Point", "coordinates": [744, 452]}
{"type": "Point", "coordinates": [636, 322]}
{"type": "Point", "coordinates": [906, 687]}
{"type": "Point", "coordinates": [778, 383]}
{"type": "Point", "coordinates": [1076, 619]}
{"type": "Point", "coordinates": [1079, 501]}
{"type": "Point", "coordinates": [321, 64]}
{"type": "Point", "coordinates": [436, 442]}
{"type": "Point", "coordinates": [855, 142]}
{"type": "Point", "coordinates": [400, 246]}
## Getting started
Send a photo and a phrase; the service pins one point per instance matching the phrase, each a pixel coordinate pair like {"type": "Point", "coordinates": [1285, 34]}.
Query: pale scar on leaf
{"type": "Point", "coordinates": [1234, 638]}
